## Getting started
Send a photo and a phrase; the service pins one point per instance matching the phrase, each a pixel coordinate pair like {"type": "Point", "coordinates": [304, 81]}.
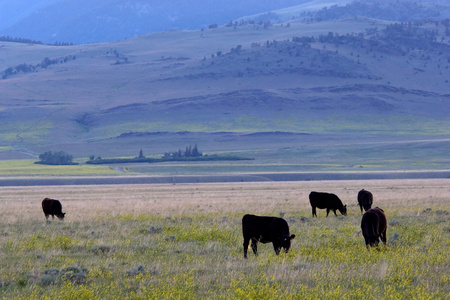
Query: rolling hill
{"type": "Point", "coordinates": [247, 87]}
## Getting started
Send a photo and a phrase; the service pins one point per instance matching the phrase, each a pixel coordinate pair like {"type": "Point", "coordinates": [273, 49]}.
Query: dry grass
{"type": "Point", "coordinates": [187, 239]}
{"type": "Point", "coordinates": [261, 198]}
{"type": "Point", "coordinates": [86, 203]}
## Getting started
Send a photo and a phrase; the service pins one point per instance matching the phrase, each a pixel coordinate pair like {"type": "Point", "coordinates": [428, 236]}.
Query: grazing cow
{"type": "Point", "coordinates": [373, 226]}
{"type": "Point", "coordinates": [328, 201]}
{"type": "Point", "coordinates": [266, 230]}
{"type": "Point", "coordinates": [52, 207]}
{"type": "Point", "coordinates": [365, 200]}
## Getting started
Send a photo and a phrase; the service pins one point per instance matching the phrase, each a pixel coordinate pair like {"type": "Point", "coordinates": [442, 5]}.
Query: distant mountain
{"type": "Point", "coordinates": [388, 10]}
{"type": "Point", "coordinates": [12, 12]}
{"type": "Point", "coordinates": [87, 21]}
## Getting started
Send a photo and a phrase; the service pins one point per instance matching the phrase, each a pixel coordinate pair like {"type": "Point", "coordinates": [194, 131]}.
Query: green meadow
{"type": "Point", "coordinates": [29, 168]}
{"type": "Point", "coordinates": [185, 242]}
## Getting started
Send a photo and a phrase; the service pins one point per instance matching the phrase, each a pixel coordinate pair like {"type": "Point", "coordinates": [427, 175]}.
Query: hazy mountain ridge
{"type": "Point", "coordinates": [85, 21]}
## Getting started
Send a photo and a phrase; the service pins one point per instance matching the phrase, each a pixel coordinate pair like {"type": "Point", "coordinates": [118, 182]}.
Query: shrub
{"type": "Point", "coordinates": [74, 274]}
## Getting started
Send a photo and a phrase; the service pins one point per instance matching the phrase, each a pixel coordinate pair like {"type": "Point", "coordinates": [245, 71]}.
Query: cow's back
{"type": "Point", "coordinates": [52, 207]}
{"type": "Point", "coordinates": [254, 226]}
{"type": "Point", "coordinates": [325, 200]}
{"type": "Point", "coordinates": [47, 205]}
{"type": "Point", "coordinates": [373, 223]}
{"type": "Point", "coordinates": [382, 221]}
{"type": "Point", "coordinates": [365, 199]}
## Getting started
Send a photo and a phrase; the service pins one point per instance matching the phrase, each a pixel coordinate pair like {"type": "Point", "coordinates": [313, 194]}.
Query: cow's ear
{"type": "Point", "coordinates": [292, 236]}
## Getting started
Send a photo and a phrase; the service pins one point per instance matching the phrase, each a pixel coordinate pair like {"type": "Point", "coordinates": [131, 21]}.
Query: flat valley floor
{"type": "Point", "coordinates": [82, 202]}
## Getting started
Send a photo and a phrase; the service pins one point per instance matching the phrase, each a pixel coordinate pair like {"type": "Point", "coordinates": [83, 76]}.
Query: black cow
{"type": "Point", "coordinates": [373, 226]}
{"type": "Point", "coordinates": [328, 201]}
{"type": "Point", "coordinates": [265, 230]}
{"type": "Point", "coordinates": [52, 207]}
{"type": "Point", "coordinates": [365, 200]}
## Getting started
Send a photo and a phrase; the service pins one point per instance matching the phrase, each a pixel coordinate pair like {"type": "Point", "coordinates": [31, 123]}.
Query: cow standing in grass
{"type": "Point", "coordinates": [52, 207]}
{"type": "Point", "coordinates": [373, 226]}
{"type": "Point", "coordinates": [265, 230]}
{"type": "Point", "coordinates": [328, 201]}
{"type": "Point", "coordinates": [365, 200]}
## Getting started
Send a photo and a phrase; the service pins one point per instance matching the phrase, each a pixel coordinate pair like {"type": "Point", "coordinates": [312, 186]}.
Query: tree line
{"type": "Point", "coordinates": [7, 38]}
{"type": "Point", "coordinates": [189, 154]}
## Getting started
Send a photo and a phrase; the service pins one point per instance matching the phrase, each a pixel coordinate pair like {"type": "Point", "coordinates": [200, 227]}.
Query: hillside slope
{"type": "Point", "coordinates": [349, 77]}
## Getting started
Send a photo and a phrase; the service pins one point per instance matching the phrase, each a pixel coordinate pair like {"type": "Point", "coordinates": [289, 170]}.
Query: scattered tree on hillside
{"type": "Point", "coordinates": [26, 68]}
{"type": "Point", "coordinates": [141, 154]}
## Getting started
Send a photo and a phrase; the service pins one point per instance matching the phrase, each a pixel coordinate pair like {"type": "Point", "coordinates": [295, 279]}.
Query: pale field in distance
{"type": "Point", "coordinates": [187, 240]}
{"type": "Point", "coordinates": [85, 202]}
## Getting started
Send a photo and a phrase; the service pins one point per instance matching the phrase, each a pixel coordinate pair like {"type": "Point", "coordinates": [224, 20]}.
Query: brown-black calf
{"type": "Point", "coordinates": [265, 230]}
{"type": "Point", "coordinates": [373, 226]}
{"type": "Point", "coordinates": [52, 207]}
{"type": "Point", "coordinates": [328, 201]}
{"type": "Point", "coordinates": [365, 200]}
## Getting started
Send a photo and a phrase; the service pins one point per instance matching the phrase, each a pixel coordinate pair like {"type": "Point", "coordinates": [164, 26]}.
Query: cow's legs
{"type": "Point", "coordinates": [334, 212]}
{"type": "Point", "coordinates": [383, 237]}
{"type": "Point", "coordinates": [255, 246]}
{"type": "Point", "coordinates": [246, 242]}
{"type": "Point", "coordinates": [276, 248]}
{"type": "Point", "coordinates": [361, 207]}
{"type": "Point", "coordinates": [328, 211]}
{"type": "Point", "coordinates": [314, 213]}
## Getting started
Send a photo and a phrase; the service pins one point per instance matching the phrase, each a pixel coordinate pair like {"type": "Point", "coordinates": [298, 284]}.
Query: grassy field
{"type": "Point", "coordinates": [28, 167]}
{"type": "Point", "coordinates": [298, 153]}
{"type": "Point", "coordinates": [185, 242]}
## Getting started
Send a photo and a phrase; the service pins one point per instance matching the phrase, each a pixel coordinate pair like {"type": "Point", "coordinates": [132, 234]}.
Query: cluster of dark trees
{"type": "Point", "coordinates": [55, 158]}
{"type": "Point", "coordinates": [27, 68]}
{"type": "Point", "coordinates": [397, 38]}
{"type": "Point", "coordinates": [262, 23]}
{"type": "Point", "coordinates": [189, 152]}
{"type": "Point", "coordinates": [121, 58]}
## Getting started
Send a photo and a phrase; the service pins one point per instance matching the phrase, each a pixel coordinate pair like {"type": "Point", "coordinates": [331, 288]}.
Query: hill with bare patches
{"type": "Point", "coordinates": [352, 76]}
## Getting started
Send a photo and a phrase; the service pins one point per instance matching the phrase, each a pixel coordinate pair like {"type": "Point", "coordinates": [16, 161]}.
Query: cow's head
{"type": "Point", "coordinates": [343, 210]}
{"type": "Point", "coordinates": [61, 216]}
{"type": "Point", "coordinates": [286, 242]}
{"type": "Point", "coordinates": [367, 206]}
